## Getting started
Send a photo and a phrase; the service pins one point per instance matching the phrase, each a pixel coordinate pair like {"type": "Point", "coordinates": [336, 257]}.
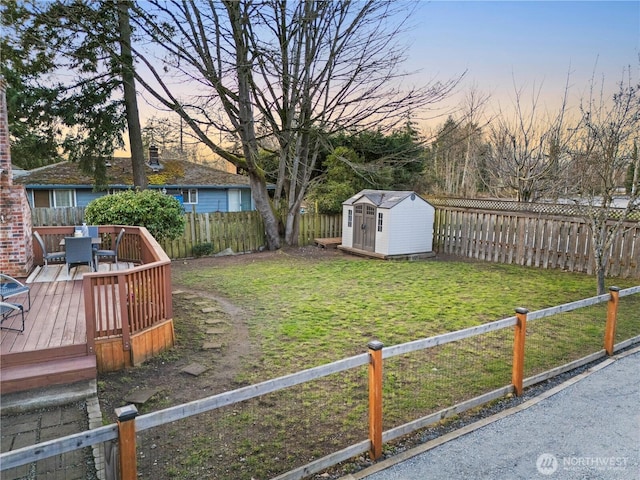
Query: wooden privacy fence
{"type": "Point", "coordinates": [533, 239]}
{"type": "Point", "coordinates": [239, 231]}
{"type": "Point", "coordinates": [129, 422]}
{"type": "Point", "coordinates": [57, 217]}
{"type": "Point", "coordinates": [560, 209]}
{"type": "Point", "coordinates": [243, 232]}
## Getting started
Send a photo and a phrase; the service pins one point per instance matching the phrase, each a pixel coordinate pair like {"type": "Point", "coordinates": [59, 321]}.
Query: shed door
{"type": "Point", "coordinates": [364, 227]}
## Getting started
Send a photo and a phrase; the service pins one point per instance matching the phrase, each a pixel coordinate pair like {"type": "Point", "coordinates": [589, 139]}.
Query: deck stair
{"type": "Point", "coordinates": [26, 373]}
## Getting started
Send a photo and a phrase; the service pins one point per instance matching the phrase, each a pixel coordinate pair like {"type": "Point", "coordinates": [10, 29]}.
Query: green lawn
{"type": "Point", "coordinates": [307, 311]}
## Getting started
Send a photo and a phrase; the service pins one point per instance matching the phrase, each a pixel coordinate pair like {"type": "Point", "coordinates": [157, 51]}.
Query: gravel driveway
{"type": "Point", "coordinates": [586, 428]}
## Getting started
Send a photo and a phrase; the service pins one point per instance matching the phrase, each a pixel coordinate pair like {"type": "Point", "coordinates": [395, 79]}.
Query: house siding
{"type": "Point", "coordinates": [84, 197]}
{"type": "Point", "coordinates": [209, 199]}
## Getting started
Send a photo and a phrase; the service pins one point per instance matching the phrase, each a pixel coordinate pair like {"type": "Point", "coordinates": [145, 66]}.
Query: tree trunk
{"type": "Point", "coordinates": [292, 229]}
{"type": "Point", "coordinates": [130, 100]}
{"type": "Point", "coordinates": [600, 239]}
{"type": "Point", "coordinates": [263, 205]}
{"type": "Point", "coordinates": [600, 274]}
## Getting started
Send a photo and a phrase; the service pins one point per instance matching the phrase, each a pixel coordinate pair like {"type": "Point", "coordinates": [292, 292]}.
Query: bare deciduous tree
{"type": "Point", "coordinates": [473, 110]}
{"type": "Point", "coordinates": [528, 151]}
{"type": "Point", "coordinates": [606, 145]}
{"type": "Point", "coordinates": [301, 70]}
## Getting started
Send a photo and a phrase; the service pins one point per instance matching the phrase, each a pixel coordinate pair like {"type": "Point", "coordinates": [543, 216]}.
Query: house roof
{"type": "Point", "coordinates": [382, 198]}
{"type": "Point", "coordinates": [179, 173]}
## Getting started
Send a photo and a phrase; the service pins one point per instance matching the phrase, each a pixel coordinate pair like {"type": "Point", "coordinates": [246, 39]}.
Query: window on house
{"type": "Point", "coordinates": [63, 198]}
{"type": "Point", "coordinates": [190, 195]}
{"type": "Point", "coordinates": [379, 221]}
{"type": "Point", "coordinates": [245, 200]}
{"type": "Point", "coordinates": [41, 198]}
{"type": "Point", "coordinates": [349, 218]}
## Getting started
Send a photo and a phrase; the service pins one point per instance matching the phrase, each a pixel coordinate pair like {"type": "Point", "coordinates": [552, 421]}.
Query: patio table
{"type": "Point", "coordinates": [94, 241]}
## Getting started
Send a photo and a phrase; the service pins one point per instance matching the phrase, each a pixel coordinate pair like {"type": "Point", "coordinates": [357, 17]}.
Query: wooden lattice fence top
{"type": "Point", "coordinates": [572, 210]}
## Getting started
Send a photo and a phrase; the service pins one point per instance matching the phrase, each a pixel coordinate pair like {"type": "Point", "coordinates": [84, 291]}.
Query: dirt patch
{"type": "Point", "coordinates": [211, 332]}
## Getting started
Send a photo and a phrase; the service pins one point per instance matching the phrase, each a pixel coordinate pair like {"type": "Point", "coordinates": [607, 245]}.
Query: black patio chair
{"type": "Point", "coordinates": [110, 253]}
{"type": "Point", "coordinates": [78, 252]}
{"type": "Point", "coordinates": [46, 255]}
{"type": "Point", "coordinates": [10, 287]}
{"type": "Point", "coordinates": [9, 310]}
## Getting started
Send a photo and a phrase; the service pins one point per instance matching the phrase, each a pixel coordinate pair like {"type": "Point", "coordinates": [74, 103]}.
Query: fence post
{"type": "Point", "coordinates": [127, 441]}
{"type": "Point", "coordinates": [612, 317]}
{"type": "Point", "coordinates": [375, 398]}
{"type": "Point", "coordinates": [517, 372]}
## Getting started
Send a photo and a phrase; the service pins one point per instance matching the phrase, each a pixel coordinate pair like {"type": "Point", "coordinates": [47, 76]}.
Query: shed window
{"type": "Point", "coordinates": [349, 218]}
{"type": "Point", "coordinates": [379, 221]}
{"type": "Point", "coordinates": [190, 195]}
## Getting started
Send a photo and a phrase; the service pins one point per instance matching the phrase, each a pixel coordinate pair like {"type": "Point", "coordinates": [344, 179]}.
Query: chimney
{"type": "Point", "coordinates": [16, 247]}
{"type": "Point", "coordinates": [154, 159]}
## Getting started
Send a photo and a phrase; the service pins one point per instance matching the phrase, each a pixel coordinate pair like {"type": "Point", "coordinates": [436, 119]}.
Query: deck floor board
{"type": "Point", "coordinates": [56, 317]}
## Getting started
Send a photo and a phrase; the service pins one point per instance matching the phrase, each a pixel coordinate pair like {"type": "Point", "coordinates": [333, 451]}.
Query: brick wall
{"type": "Point", "coordinates": [16, 241]}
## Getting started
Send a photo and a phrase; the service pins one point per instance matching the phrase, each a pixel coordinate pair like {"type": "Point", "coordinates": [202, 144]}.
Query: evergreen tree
{"type": "Point", "coordinates": [80, 115]}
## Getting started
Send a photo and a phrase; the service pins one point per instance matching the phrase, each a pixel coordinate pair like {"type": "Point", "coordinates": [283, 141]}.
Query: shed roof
{"type": "Point", "coordinates": [382, 198]}
{"type": "Point", "coordinates": [174, 172]}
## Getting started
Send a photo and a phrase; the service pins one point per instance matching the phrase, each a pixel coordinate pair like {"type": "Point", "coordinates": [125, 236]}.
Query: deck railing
{"type": "Point", "coordinates": [121, 303]}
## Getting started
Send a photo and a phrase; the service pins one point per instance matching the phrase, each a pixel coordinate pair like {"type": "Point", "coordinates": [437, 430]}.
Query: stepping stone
{"type": "Point", "coordinates": [141, 396]}
{"type": "Point", "coordinates": [210, 310]}
{"type": "Point", "coordinates": [211, 346]}
{"type": "Point", "coordinates": [191, 297]}
{"type": "Point", "coordinates": [175, 292]}
{"type": "Point", "coordinates": [195, 369]}
{"type": "Point", "coordinates": [214, 321]}
{"type": "Point", "coordinates": [215, 331]}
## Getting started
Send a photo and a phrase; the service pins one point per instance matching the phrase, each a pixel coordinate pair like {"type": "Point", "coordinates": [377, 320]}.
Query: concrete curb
{"type": "Point", "coordinates": [55, 396]}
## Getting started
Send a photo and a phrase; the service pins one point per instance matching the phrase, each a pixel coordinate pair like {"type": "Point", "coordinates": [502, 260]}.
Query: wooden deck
{"type": "Point", "coordinates": [330, 242]}
{"type": "Point", "coordinates": [53, 347]}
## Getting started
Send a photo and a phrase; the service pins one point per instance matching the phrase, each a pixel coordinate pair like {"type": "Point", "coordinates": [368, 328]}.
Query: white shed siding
{"type": "Point", "coordinates": [410, 225]}
{"type": "Point", "coordinates": [383, 237]}
{"type": "Point", "coordinates": [407, 221]}
{"type": "Point", "coordinates": [347, 231]}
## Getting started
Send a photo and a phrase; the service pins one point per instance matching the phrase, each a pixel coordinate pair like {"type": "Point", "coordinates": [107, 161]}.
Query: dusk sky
{"type": "Point", "coordinates": [536, 43]}
{"type": "Point", "coordinates": [530, 45]}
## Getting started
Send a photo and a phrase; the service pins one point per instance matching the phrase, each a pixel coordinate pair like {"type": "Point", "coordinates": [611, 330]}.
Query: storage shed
{"type": "Point", "coordinates": [387, 224]}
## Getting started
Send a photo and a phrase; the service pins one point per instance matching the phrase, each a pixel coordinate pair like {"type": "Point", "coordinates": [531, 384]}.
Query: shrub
{"type": "Point", "coordinates": [202, 249]}
{"type": "Point", "coordinates": [161, 214]}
